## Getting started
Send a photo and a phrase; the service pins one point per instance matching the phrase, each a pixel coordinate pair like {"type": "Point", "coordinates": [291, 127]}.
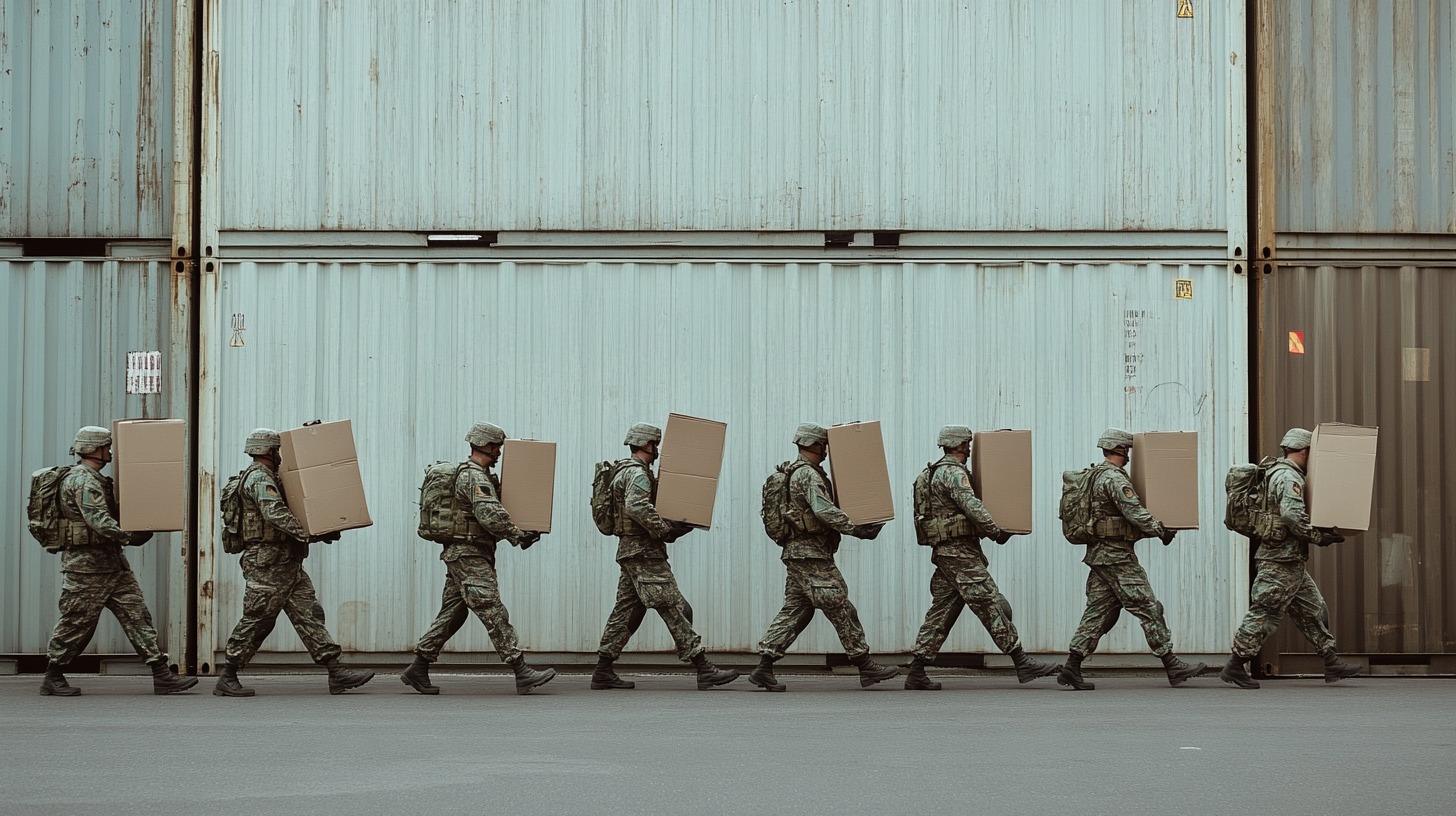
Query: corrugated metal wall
{"type": "Point", "coordinates": [575, 352]}
{"type": "Point", "coordinates": [68, 326]}
{"type": "Point", "coordinates": [1378, 345]}
{"type": "Point", "coordinates": [755, 115]}
{"type": "Point", "coordinates": [1364, 95]}
{"type": "Point", "coordinates": [86, 118]}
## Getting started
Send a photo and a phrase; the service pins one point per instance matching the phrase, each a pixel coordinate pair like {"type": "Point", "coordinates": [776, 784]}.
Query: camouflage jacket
{"type": "Point", "coordinates": [1119, 519]}
{"type": "Point", "coordinates": [818, 523]}
{"type": "Point", "coordinates": [954, 505]}
{"type": "Point", "coordinates": [1292, 533]}
{"type": "Point", "coordinates": [268, 524]}
{"type": "Point", "coordinates": [486, 521]}
{"type": "Point", "coordinates": [91, 536]}
{"type": "Point", "coordinates": [640, 530]}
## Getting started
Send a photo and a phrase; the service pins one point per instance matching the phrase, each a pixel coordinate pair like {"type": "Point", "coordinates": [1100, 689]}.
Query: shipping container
{"type": "Point", "coordinates": [575, 352]}
{"type": "Point", "coordinates": [68, 328]}
{"type": "Point", "coordinates": [606, 115]}
{"type": "Point", "coordinates": [87, 118]}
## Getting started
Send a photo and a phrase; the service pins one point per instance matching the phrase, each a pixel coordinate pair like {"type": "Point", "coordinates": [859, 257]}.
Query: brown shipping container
{"type": "Point", "coordinates": [151, 477]}
{"type": "Point", "coordinates": [528, 483]}
{"type": "Point", "coordinates": [1001, 477]}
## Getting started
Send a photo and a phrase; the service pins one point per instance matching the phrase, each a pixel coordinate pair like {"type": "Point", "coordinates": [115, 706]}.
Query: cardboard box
{"type": "Point", "coordinates": [1001, 476]}
{"type": "Point", "coordinates": [861, 476]}
{"type": "Point", "coordinates": [151, 479]}
{"type": "Point", "coordinates": [1340, 480]}
{"type": "Point", "coordinates": [1165, 475]}
{"type": "Point", "coordinates": [528, 482]}
{"type": "Point", "coordinates": [321, 479]}
{"type": "Point", "coordinates": [687, 482]}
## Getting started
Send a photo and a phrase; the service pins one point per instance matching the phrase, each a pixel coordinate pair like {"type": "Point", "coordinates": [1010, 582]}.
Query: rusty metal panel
{"type": "Point", "coordinates": [1373, 353]}
{"type": "Point", "coordinates": [1025, 115]}
{"type": "Point", "coordinates": [1363, 98]}
{"type": "Point", "coordinates": [68, 326]}
{"type": "Point", "coordinates": [574, 352]}
{"type": "Point", "coordinates": [86, 118]}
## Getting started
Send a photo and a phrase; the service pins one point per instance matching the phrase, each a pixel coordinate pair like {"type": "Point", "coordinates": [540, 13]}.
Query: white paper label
{"type": "Point", "coordinates": [143, 372]}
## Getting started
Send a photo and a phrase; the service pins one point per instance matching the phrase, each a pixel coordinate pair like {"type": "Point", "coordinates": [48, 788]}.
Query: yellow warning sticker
{"type": "Point", "coordinates": [1185, 9]}
{"type": "Point", "coordinates": [1296, 342]}
{"type": "Point", "coordinates": [1183, 289]}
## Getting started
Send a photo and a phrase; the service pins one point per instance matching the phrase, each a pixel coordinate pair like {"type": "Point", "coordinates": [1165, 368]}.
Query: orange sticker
{"type": "Point", "coordinates": [1296, 342]}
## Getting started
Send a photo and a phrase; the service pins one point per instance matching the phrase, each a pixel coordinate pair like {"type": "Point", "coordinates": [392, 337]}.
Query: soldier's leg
{"type": "Point", "coordinates": [792, 619]}
{"type": "Point", "coordinates": [627, 615]}
{"type": "Point", "coordinates": [945, 609]}
{"type": "Point", "coordinates": [1274, 588]}
{"type": "Point", "coordinates": [829, 593]}
{"type": "Point", "coordinates": [1101, 612]}
{"type": "Point", "coordinates": [263, 599]}
{"type": "Point", "coordinates": [451, 617]}
{"type": "Point", "coordinates": [130, 608]}
{"type": "Point", "coordinates": [657, 589]}
{"type": "Point", "coordinates": [307, 616]}
{"type": "Point", "coordinates": [481, 592]}
{"type": "Point", "coordinates": [981, 594]}
{"type": "Point", "coordinates": [1311, 614]}
{"type": "Point", "coordinates": [1135, 594]}
{"type": "Point", "coordinates": [83, 596]}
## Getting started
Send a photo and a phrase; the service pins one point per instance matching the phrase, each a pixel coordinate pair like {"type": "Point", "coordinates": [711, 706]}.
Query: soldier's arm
{"type": "Point", "coordinates": [486, 506]}
{"type": "Point", "coordinates": [273, 509]}
{"type": "Point", "coordinates": [1127, 502]}
{"type": "Point", "coordinates": [637, 503]}
{"type": "Point", "coordinates": [91, 500]}
{"type": "Point", "coordinates": [1294, 512]}
{"type": "Point", "coordinates": [957, 485]}
{"type": "Point", "coordinates": [820, 504]}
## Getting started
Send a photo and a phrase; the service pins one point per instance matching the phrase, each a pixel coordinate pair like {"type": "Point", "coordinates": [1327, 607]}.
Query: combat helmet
{"type": "Point", "coordinates": [484, 433]}
{"type": "Point", "coordinates": [810, 434]}
{"type": "Point", "coordinates": [1114, 438]}
{"type": "Point", "coordinates": [1296, 439]}
{"type": "Point", "coordinates": [262, 441]}
{"type": "Point", "coordinates": [642, 433]}
{"type": "Point", "coordinates": [953, 435]}
{"type": "Point", "coordinates": [89, 439]}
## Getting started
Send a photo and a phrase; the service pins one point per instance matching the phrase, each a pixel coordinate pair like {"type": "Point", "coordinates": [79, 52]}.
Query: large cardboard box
{"type": "Point", "coordinates": [692, 457]}
{"type": "Point", "coordinates": [1001, 477]}
{"type": "Point", "coordinates": [528, 483]}
{"type": "Point", "coordinates": [861, 476]}
{"type": "Point", "coordinates": [1165, 475]}
{"type": "Point", "coordinates": [1341, 475]}
{"type": "Point", "coordinates": [321, 478]}
{"type": "Point", "coordinates": [151, 480]}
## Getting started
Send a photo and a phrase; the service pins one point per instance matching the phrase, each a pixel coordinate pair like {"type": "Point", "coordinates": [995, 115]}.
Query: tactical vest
{"type": "Point", "coordinates": [801, 515]}
{"type": "Point", "coordinates": [1268, 523]}
{"type": "Point", "coordinates": [75, 532]}
{"type": "Point", "coordinates": [945, 521]}
{"type": "Point", "coordinates": [256, 530]}
{"type": "Point", "coordinates": [464, 527]}
{"type": "Point", "coordinates": [626, 525]}
{"type": "Point", "coordinates": [1108, 522]}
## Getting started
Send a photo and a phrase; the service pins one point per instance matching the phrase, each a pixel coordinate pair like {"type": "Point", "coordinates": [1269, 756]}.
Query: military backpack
{"type": "Point", "coordinates": [1075, 506]}
{"type": "Point", "coordinates": [438, 505]}
{"type": "Point", "coordinates": [1244, 487]}
{"type": "Point", "coordinates": [603, 508]}
{"type": "Point", "coordinates": [43, 508]}
{"type": "Point", "coordinates": [230, 503]}
{"type": "Point", "coordinates": [920, 499]}
{"type": "Point", "coordinates": [777, 508]}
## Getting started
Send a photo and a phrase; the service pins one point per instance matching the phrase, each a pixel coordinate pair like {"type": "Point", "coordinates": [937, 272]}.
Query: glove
{"type": "Point", "coordinates": [326, 538]}
{"type": "Point", "coordinates": [1328, 537]}
{"type": "Point", "coordinates": [525, 540]}
{"type": "Point", "coordinates": [868, 532]}
{"type": "Point", "coordinates": [677, 530]}
{"type": "Point", "coordinates": [1167, 536]}
{"type": "Point", "coordinates": [138, 539]}
{"type": "Point", "coordinates": [1002, 537]}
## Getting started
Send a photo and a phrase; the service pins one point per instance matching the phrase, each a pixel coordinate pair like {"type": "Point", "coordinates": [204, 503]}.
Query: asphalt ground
{"type": "Point", "coordinates": [984, 744]}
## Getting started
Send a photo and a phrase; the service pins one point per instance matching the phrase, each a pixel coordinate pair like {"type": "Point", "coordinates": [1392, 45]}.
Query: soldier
{"type": "Point", "coordinates": [955, 523]}
{"type": "Point", "coordinates": [1116, 580]}
{"type": "Point", "coordinates": [647, 581]}
{"type": "Point", "coordinates": [95, 574]}
{"type": "Point", "coordinates": [272, 561]}
{"type": "Point", "coordinates": [813, 580]}
{"type": "Point", "coordinates": [470, 579]}
{"type": "Point", "coordinates": [1281, 583]}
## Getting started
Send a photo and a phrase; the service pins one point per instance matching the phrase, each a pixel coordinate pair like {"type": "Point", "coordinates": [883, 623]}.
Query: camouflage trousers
{"type": "Point", "coordinates": [957, 584]}
{"type": "Point", "coordinates": [814, 583]}
{"type": "Point", "coordinates": [1280, 587]}
{"type": "Point", "coordinates": [648, 583]}
{"type": "Point", "coordinates": [471, 586]}
{"type": "Point", "coordinates": [83, 596]}
{"type": "Point", "coordinates": [1112, 588]}
{"type": "Point", "coordinates": [280, 586]}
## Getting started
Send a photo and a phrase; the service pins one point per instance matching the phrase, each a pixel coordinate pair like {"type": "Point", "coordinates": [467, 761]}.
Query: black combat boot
{"type": "Point", "coordinates": [417, 676]}
{"type": "Point", "coordinates": [1071, 673]}
{"type": "Point", "coordinates": [1234, 672]}
{"type": "Point", "coordinates": [763, 676]}
{"type": "Point", "coordinates": [871, 672]}
{"type": "Point", "coordinates": [342, 678]}
{"type": "Point", "coordinates": [710, 675]}
{"type": "Point", "coordinates": [54, 683]}
{"type": "Point", "coordinates": [916, 679]}
{"type": "Point", "coordinates": [1029, 668]}
{"type": "Point", "coordinates": [228, 685]}
{"type": "Point", "coordinates": [605, 677]}
{"type": "Point", "coordinates": [1336, 669]}
{"type": "Point", "coordinates": [528, 678]}
{"type": "Point", "coordinates": [1180, 672]}
{"type": "Point", "coordinates": [166, 681]}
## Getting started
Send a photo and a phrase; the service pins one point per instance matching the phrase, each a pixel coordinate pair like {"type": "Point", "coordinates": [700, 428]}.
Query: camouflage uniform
{"type": "Point", "coordinates": [1281, 583]}
{"type": "Point", "coordinates": [95, 573]}
{"type": "Point", "coordinates": [272, 563]}
{"type": "Point", "coordinates": [646, 581]}
{"type": "Point", "coordinates": [813, 580]}
{"type": "Point", "coordinates": [957, 523]}
{"type": "Point", "coordinates": [470, 578]}
{"type": "Point", "coordinates": [1117, 581]}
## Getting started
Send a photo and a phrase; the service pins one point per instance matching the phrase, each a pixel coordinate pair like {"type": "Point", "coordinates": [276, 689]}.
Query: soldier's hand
{"type": "Point", "coordinates": [1002, 537]}
{"type": "Point", "coordinates": [1328, 537]}
{"type": "Point", "coordinates": [527, 539]}
{"type": "Point", "coordinates": [868, 532]}
{"type": "Point", "coordinates": [1167, 536]}
{"type": "Point", "coordinates": [138, 539]}
{"type": "Point", "coordinates": [326, 538]}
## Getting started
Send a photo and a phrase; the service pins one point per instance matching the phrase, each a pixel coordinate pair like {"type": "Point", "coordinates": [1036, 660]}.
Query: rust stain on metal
{"type": "Point", "coordinates": [206, 590]}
